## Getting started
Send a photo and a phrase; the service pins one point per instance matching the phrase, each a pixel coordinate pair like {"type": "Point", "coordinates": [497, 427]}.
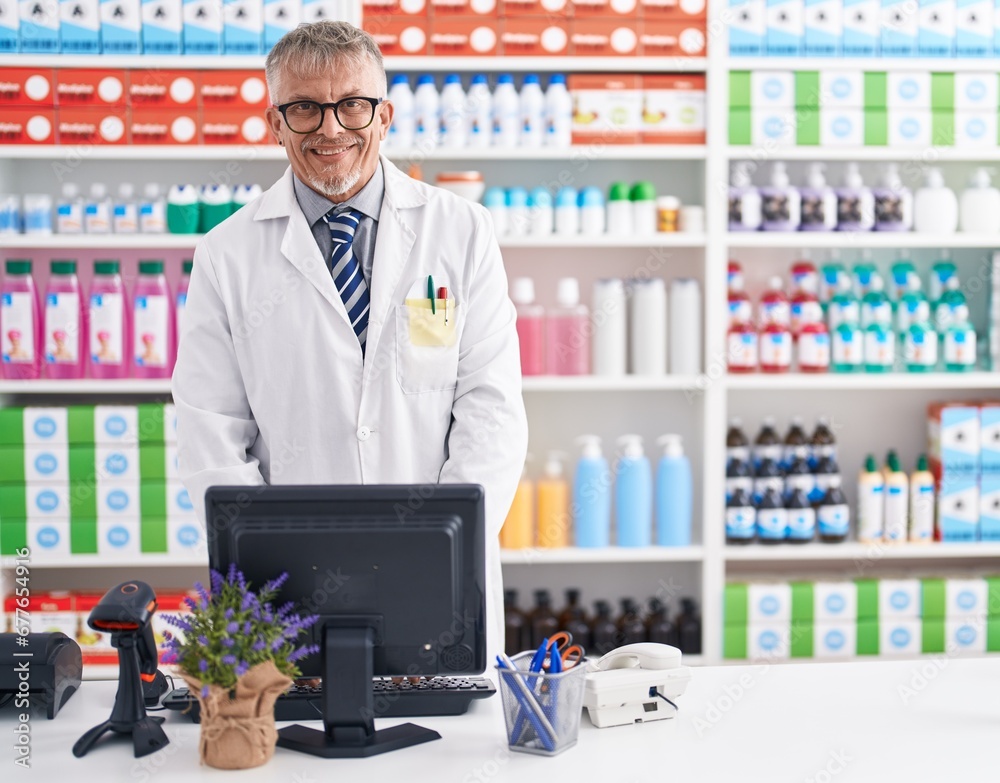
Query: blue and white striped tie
{"type": "Point", "coordinates": [347, 276]}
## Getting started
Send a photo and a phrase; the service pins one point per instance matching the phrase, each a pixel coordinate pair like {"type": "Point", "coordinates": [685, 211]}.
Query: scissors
{"type": "Point", "coordinates": [569, 654]}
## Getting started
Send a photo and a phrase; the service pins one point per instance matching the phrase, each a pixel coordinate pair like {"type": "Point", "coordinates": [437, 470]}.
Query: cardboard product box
{"type": "Point", "coordinates": [606, 108]}
{"type": "Point", "coordinates": [773, 127]}
{"type": "Point", "coordinates": [900, 637]}
{"type": "Point", "coordinates": [169, 423]}
{"type": "Point", "coordinates": [118, 537]}
{"type": "Point", "coordinates": [13, 535]}
{"type": "Point", "coordinates": [10, 27]}
{"type": "Point", "coordinates": [861, 28]}
{"type": "Point", "coordinates": [989, 507]}
{"type": "Point", "coordinates": [973, 28]}
{"type": "Point", "coordinates": [398, 36]}
{"type": "Point", "coordinates": [48, 539]}
{"type": "Point", "coordinates": [464, 8]}
{"type": "Point", "coordinates": [463, 36]}
{"type": "Point", "coordinates": [835, 602]}
{"type": "Point", "coordinates": [908, 90]}
{"type": "Point", "coordinates": [281, 16]}
{"type": "Point", "coordinates": [835, 639]}
{"type": "Point", "coordinates": [117, 462]}
{"type": "Point", "coordinates": [899, 598]}
{"type": "Point", "coordinates": [936, 33]}
{"type": "Point", "coordinates": [975, 128]}
{"type": "Point", "coordinates": [233, 126]}
{"type": "Point", "coordinates": [83, 533]}
{"type": "Point", "coordinates": [549, 8]}
{"type": "Point", "coordinates": [747, 28]}
{"type": "Point", "coordinates": [186, 537]}
{"type": "Point", "coordinates": [953, 438]}
{"type": "Point", "coordinates": [966, 635]}
{"type": "Point", "coordinates": [322, 10]}
{"type": "Point", "coordinates": [80, 26]}
{"type": "Point", "coordinates": [958, 508]}
{"type": "Point", "coordinates": [837, 127]}
{"type": "Point", "coordinates": [740, 89]}
{"type": "Point", "coordinates": [673, 10]}
{"type": "Point", "coordinates": [39, 30]}
{"type": "Point", "coordinates": [419, 8]}
{"type": "Point", "coordinates": [116, 424]}
{"type": "Point", "coordinates": [772, 90]}
{"type": "Point", "coordinates": [121, 22]}
{"type": "Point", "coordinates": [899, 28]}
{"type": "Point", "coordinates": [95, 646]}
{"type": "Point", "coordinates": [76, 87]}
{"type": "Point", "coordinates": [673, 109]}
{"type": "Point", "coordinates": [34, 464]}
{"type": "Point", "coordinates": [53, 612]}
{"type": "Point", "coordinates": [823, 28]}
{"type": "Point", "coordinates": [603, 37]}
{"type": "Point", "coordinates": [233, 90]}
{"type": "Point", "coordinates": [92, 125]}
{"type": "Point", "coordinates": [996, 27]}
{"type": "Point", "coordinates": [769, 641]}
{"type": "Point", "coordinates": [533, 36]}
{"type": "Point", "coordinates": [157, 461]}
{"type": "Point", "coordinates": [34, 426]}
{"type": "Point", "coordinates": [966, 597]}
{"type": "Point", "coordinates": [118, 500]}
{"type": "Point", "coordinates": [27, 87]}
{"type": "Point", "coordinates": [841, 89]}
{"type": "Point", "coordinates": [767, 602]}
{"type": "Point", "coordinates": [179, 505]}
{"type": "Point", "coordinates": [155, 89]}
{"type": "Point", "coordinates": [785, 33]}
{"type": "Point", "coordinates": [975, 92]}
{"type": "Point", "coordinates": [604, 8]}
{"type": "Point", "coordinates": [660, 38]}
{"type": "Point", "coordinates": [202, 32]}
{"type": "Point", "coordinates": [162, 26]}
{"type": "Point", "coordinates": [173, 471]}
{"type": "Point", "coordinates": [243, 27]}
{"type": "Point", "coordinates": [35, 501]}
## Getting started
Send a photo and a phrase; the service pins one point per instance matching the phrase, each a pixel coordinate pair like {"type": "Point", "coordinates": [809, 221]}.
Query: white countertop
{"type": "Point", "coordinates": [935, 719]}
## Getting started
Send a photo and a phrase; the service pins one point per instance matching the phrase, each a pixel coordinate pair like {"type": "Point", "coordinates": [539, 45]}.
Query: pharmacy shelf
{"type": "Point", "coordinates": [87, 386]}
{"type": "Point", "coordinates": [392, 64]}
{"type": "Point", "coordinates": [103, 561]}
{"type": "Point", "coordinates": [936, 64]}
{"type": "Point", "coordinates": [590, 383]}
{"type": "Point", "coordinates": [854, 239]}
{"type": "Point", "coordinates": [862, 381]}
{"type": "Point", "coordinates": [678, 239]}
{"type": "Point", "coordinates": [863, 553]}
{"type": "Point", "coordinates": [575, 555]}
{"type": "Point", "coordinates": [922, 155]}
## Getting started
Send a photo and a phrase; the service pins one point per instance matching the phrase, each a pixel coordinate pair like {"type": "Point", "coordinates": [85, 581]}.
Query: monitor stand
{"type": "Point", "coordinates": [349, 704]}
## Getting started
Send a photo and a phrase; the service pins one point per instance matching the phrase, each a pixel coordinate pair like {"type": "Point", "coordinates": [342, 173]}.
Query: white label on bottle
{"type": "Point", "coordinates": [17, 319]}
{"type": "Point", "coordinates": [62, 328]}
{"type": "Point", "coordinates": [772, 523]}
{"type": "Point", "coordinates": [742, 453]}
{"type": "Point", "coordinates": [921, 511]}
{"type": "Point", "coordinates": [152, 218]}
{"type": "Point", "coordinates": [740, 522]}
{"type": "Point", "coordinates": [97, 218]}
{"type": "Point", "coordinates": [847, 349]}
{"type": "Point", "coordinates": [742, 349]}
{"type": "Point", "coordinates": [125, 219]}
{"type": "Point", "coordinates": [778, 312]}
{"type": "Point", "coordinates": [106, 325]}
{"type": "Point", "coordinates": [834, 520]}
{"type": "Point", "coordinates": [920, 349]}
{"type": "Point", "coordinates": [871, 507]}
{"type": "Point", "coordinates": [69, 218]}
{"type": "Point", "coordinates": [814, 350]}
{"type": "Point", "coordinates": [804, 481]}
{"type": "Point", "coordinates": [960, 347]}
{"type": "Point", "coordinates": [740, 311]}
{"type": "Point", "coordinates": [801, 523]}
{"type": "Point", "coordinates": [152, 325]}
{"type": "Point", "coordinates": [807, 312]}
{"type": "Point", "coordinates": [880, 348]}
{"type": "Point", "coordinates": [776, 349]}
{"type": "Point", "coordinates": [895, 513]}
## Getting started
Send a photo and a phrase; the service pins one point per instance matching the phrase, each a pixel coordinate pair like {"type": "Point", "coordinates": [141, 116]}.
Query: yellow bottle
{"type": "Point", "coordinates": [518, 531]}
{"type": "Point", "coordinates": [554, 521]}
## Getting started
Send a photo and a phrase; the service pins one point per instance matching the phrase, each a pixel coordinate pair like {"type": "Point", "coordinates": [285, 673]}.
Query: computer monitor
{"type": "Point", "coordinates": [396, 573]}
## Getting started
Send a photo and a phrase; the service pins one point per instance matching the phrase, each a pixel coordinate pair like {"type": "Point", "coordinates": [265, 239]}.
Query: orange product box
{"type": "Point", "coordinates": [510, 8]}
{"type": "Point", "coordinates": [464, 37]}
{"type": "Point", "coordinates": [463, 8]}
{"type": "Point", "coordinates": [94, 645]}
{"type": "Point", "coordinates": [53, 612]}
{"type": "Point", "coordinates": [233, 89]}
{"type": "Point", "coordinates": [84, 87]}
{"type": "Point", "coordinates": [672, 39]}
{"type": "Point", "coordinates": [607, 109]}
{"type": "Point", "coordinates": [20, 125]}
{"type": "Point", "coordinates": [393, 8]}
{"type": "Point", "coordinates": [233, 126]}
{"type": "Point", "coordinates": [673, 109]}
{"type": "Point", "coordinates": [152, 88]}
{"type": "Point", "coordinates": [607, 8]}
{"type": "Point", "coordinates": [164, 126]}
{"type": "Point", "coordinates": [92, 125]}
{"type": "Point", "coordinates": [534, 36]}
{"type": "Point", "coordinates": [603, 37]}
{"type": "Point", "coordinates": [398, 36]}
{"type": "Point", "coordinates": [673, 10]}
{"type": "Point", "coordinates": [27, 87]}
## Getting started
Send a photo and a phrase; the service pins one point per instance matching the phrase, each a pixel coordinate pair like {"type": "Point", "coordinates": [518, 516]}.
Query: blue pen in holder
{"type": "Point", "coordinates": [541, 710]}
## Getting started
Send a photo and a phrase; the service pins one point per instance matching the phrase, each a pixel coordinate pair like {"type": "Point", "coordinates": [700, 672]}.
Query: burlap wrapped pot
{"type": "Point", "coordinates": [239, 732]}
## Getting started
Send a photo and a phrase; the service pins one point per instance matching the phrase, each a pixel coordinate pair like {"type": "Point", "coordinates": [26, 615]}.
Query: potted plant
{"type": "Point", "coordinates": [237, 652]}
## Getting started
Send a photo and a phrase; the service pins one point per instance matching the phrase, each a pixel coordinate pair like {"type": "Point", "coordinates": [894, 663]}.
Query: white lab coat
{"type": "Point", "coordinates": [270, 386]}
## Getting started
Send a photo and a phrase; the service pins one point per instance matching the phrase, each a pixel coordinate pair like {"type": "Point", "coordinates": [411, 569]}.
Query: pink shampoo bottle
{"type": "Point", "coordinates": [65, 323]}
{"type": "Point", "coordinates": [153, 334]}
{"type": "Point", "coordinates": [20, 323]}
{"type": "Point", "coordinates": [109, 322]}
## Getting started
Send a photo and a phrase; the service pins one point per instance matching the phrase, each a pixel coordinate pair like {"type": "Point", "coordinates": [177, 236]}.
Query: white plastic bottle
{"type": "Point", "coordinates": [541, 217]}
{"type": "Point", "coordinates": [97, 211]}
{"type": "Point", "coordinates": [506, 113]}
{"type": "Point", "coordinates": [935, 208]}
{"type": "Point", "coordinates": [567, 212]}
{"type": "Point", "coordinates": [518, 219]}
{"type": "Point", "coordinates": [855, 202]}
{"type": "Point", "coordinates": [648, 347]}
{"type": "Point", "coordinates": [685, 326]}
{"type": "Point", "coordinates": [244, 194]}
{"type": "Point", "coordinates": [69, 210]}
{"type": "Point", "coordinates": [979, 209]}
{"type": "Point", "coordinates": [152, 210]}
{"type": "Point", "coordinates": [402, 132]}
{"type": "Point", "coordinates": [591, 202]}
{"type": "Point", "coordinates": [558, 112]}
{"type": "Point", "coordinates": [781, 204]}
{"type": "Point", "coordinates": [426, 113]}
{"type": "Point", "coordinates": [871, 503]}
{"type": "Point", "coordinates": [897, 501]}
{"type": "Point", "coordinates": [495, 200]}
{"type": "Point", "coordinates": [921, 503]}
{"type": "Point", "coordinates": [532, 112]}
{"type": "Point", "coordinates": [479, 113]}
{"type": "Point", "coordinates": [610, 328]}
{"type": "Point", "coordinates": [126, 211]}
{"type": "Point", "coordinates": [453, 124]}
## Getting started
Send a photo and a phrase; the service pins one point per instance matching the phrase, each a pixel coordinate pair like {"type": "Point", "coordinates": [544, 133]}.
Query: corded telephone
{"type": "Point", "coordinates": [634, 684]}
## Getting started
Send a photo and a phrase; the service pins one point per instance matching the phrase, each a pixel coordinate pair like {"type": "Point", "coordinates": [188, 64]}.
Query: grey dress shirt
{"type": "Point", "coordinates": [367, 201]}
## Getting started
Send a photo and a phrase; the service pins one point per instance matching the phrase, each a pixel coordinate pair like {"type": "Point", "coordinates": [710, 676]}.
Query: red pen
{"type": "Point", "coordinates": [443, 294]}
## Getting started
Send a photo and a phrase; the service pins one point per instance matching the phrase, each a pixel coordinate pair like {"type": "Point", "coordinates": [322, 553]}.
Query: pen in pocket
{"type": "Point", "coordinates": [443, 294]}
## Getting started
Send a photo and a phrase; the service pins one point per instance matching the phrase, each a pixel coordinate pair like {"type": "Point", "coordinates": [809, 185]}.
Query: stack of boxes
{"type": "Point", "coordinates": [94, 481]}
{"type": "Point", "coordinates": [780, 620]}
{"type": "Point", "coordinates": [851, 108]}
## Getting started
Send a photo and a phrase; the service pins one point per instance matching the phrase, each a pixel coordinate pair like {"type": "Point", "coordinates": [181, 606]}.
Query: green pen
{"type": "Point", "coordinates": [430, 294]}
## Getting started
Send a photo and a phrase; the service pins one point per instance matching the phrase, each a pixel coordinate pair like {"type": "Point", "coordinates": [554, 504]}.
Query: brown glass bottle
{"type": "Point", "coordinates": [796, 442]}
{"type": "Point", "coordinates": [737, 443]}
{"type": "Point", "coordinates": [515, 625]}
{"type": "Point", "coordinates": [631, 628]}
{"type": "Point", "coordinates": [767, 444]}
{"type": "Point", "coordinates": [543, 620]}
{"type": "Point", "coordinates": [603, 631]}
{"type": "Point", "coordinates": [572, 604]}
{"type": "Point", "coordinates": [659, 629]}
{"type": "Point", "coordinates": [822, 441]}
{"type": "Point", "coordinates": [689, 627]}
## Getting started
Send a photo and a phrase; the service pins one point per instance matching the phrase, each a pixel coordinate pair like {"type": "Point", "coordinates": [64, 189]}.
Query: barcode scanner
{"type": "Point", "coordinates": [125, 612]}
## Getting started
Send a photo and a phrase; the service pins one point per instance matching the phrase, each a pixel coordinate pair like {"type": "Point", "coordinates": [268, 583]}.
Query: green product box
{"type": "Point", "coordinates": [943, 128]}
{"type": "Point", "coordinates": [83, 536]}
{"type": "Point", "coordinates": [932, 635]}
{"type": "Point", "coordinates": [876, 90]}
{"type": "Point", "coordinates": [734, 642]}
{"type": "Point", "coordinates": [735, 605]}
{"type": "Point", "coordinates": [993, 597]}
{"type": "Point", "coordinates": [993, 634]}
{"type": "Point", "coordinates": [151, 419]}
{"type": "Point", "coordinates": [11, 464]}
{"type": "Point", "coordinates": [739, 89]}
{"type": "Point", "coordinates": [13, 535]}
{"type": "Point", "coordinates": [153, 500]}
{"type": "Point", "coordinates": [13, 502]}
{"type": "Point", "coordinates": [80, 424]}
{"type": "Point", "coordinates": [807, 95]}
{"type": "Point", "coordinates": [943, 91]}
{"type": "Point", "coordinates": [153, 534]}
{"type": "Point", "coordinates": [801, 642]}
{"type": "Point", "coordinates": [868, 635]}
{"type": "Point", "coordinates": [740, 132]}
{"type": "Point", "coordinates": [152, 461]}
{"type": "Point", "coordinates": [867, 599]}
{"type": "Point", "coordinates": [802, 605]}
{"type": "Point", "coordinates": [83, 480]}
{"type": "Point", "coordinates": [807, 127]}
{"type": "Point", "coordinates": [11, 426]}
{"type": "Point", "coordinates": [876, 128]}
{"type": "Point", "coordinates": [932, 600]}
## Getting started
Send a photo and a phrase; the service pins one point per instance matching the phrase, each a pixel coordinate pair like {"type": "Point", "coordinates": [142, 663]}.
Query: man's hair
{"type": "Point", "coordinates": [311, 49]}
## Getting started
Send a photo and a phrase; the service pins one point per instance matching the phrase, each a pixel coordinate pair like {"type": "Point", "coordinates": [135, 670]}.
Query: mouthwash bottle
{"type": "Point", "coordinates": [823, 478]}
{"type": "Point", "coordinates": [912, 308]}
{"type": "Point", "coordinates": [772, 518]}
{"type": "Point", "coordinates": [738, 476]}
{"type": "Point", "coordinates": [960, 343]}
{"type": "Point", "coordinates": [876, 307]}
{"type": "Point", "coordinates": [833, 278]}
{"type": "Point", "coordinates": [799, 476]}
{"type": "Point", "coordinates": [833, 516]}
{"type": "Point", "coordinates": [801, 518]}
{"type": "Point", "coordinates": [880, 348]}
{"type": "Point", "coordinates": [737, 443]}
{"type": "Point", "coordinates": [844, 306]}
{"type": "Point", "coordinates": [767, 444]}
{"type": "Point", "coordinates": [847, 349]}
{"type": "Point", "coordinates": [871, 502]}
{"type": "Point", "coordinates": [823, 442]}
{"type": "Point", "coordinates": [796, 442]}
{"type": "Point", "coordinates": [741, 518]}
{"type": "Point", "coordinates": [768, 477]}
{"type": "Point", "coordinates": [920, 347]}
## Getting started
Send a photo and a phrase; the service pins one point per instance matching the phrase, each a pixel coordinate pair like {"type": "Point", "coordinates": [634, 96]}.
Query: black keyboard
{"type": "Point", "coordinates": [428, 696]}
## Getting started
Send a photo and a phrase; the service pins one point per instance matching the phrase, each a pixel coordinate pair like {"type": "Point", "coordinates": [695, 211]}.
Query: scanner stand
{"type": "Point", "coordinates": [348, 703]}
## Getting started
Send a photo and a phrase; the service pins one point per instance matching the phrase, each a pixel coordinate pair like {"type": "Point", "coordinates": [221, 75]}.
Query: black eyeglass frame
{"type": "Point", "coordinates": [284, 107]}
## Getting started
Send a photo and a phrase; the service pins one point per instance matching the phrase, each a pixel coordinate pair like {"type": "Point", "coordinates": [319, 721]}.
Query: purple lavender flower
{"type": "Point", "coordinates": [233, 627]}
{"type": "Point", "coordinates": [169, 656]}
{"type": "Point", "coordinates": [276, 644]}
{"type": "Point", "coordinates": [204, 691]}
{"type": "Point", "coordinates": [217, 582]}
{"type": "Point", "coordinates": [231, 576]}
{"type": "Point", "coordinates": [202, 594]}
{"type": "Point", "coordinates": [259, 645]}
{"type": "Point", "coordinates": [229, 613]}
{"type": "Point", "coordinates": [203, 666]}
{"type": "Point", "coordinates": [275, 584]}
{"type": "Point", "coordinates": [229, 660]}
{"type": "Point", "coordinates": [242, 668]}
{"type": "Point", "coordinates": [247, 628]}
{"type": "Point", "coordinates": [228, 643]}
{"type": "Point", "coordinates": [190, 603]}
{"type": "Point", "coordinates": [203, 640]}
{"type": "Point", "coordinates": [302, 652]}
{"type": "Point", "coordinates": [178, 622]}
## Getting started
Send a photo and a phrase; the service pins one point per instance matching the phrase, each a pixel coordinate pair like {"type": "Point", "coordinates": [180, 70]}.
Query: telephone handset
{"type": "Point", "coordinates": [634, 684]}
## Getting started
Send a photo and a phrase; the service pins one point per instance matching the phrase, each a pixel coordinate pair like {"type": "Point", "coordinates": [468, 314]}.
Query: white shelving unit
{"type": "Point", "coordinates": [860, 239]}
{"type": "Point", "coordinates": [878, 154]}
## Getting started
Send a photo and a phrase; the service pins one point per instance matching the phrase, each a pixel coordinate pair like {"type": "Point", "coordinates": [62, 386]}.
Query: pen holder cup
{"type": "Point", "coordinates": [542, 711]}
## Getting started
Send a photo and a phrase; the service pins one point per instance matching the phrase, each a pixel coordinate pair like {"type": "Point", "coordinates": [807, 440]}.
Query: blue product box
{"type": "Point", "coordinates": [80, 26]}
{"type": "Point", "coordinates": [162, 23]}
{"type": "Point", "coordinates": [10, 27]}
{"type": "Point", "coordinates": [121, 21]}
{"type": "Point", "coordinates": [989, 434]}
{"type": "Point", "coordinates": [202, 27]}
{"type": "Point", "coordinates": [958, 507]}
{"type": "Point", "coordinates": [900, 25]}
{"type": "Point", "coordinates": [861, 28]}
{"type": "Point", "coordinates": [824, 28]}
{"type": "Point", "coordinates": [936, 34]}
{"type": "Point", "coordinates": [40, 26]}
{"type": "Point", "coordinates": [242, 26]}
{"type": "Point", "coordinates": [746, 28]}
{"type": "Point", "coordinates": [785, 33]}
{"type": "Point", "coordinates": [996, 28]}
{"type": "Point", "coordinates": [989, 507]}
{"type": "Point", "coordinates": [973, 28]}
{"type": "Point", "coordinates": [953, 437]}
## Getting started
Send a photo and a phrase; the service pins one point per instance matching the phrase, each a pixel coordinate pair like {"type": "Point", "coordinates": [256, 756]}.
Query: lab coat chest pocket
{"type": "Point", "coordinates": [427, 346]}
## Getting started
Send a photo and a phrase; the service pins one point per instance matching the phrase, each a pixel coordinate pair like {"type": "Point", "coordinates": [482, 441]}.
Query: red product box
{"type": "Point", "coordinates": [162, 89]}
{"type": "Point", "coordinates": [672, 39]}
{"type": "Point", "coordinates": [607, 8]}
{"type": "Point", "coordinates": [27, 87]}
{"type": "Point", "coordinates": [94, 645]}
{"type": "Point", "coordinates": [79, 87]}
{"type": "Point", "coordinates": [398, 36]}
{"type": "Point", "coordinates": [374, 8]}
{"type": "Point", "coordinates": [607, 108]}
{"type": "Point", "coordinates": [509, 8]}
{"type": "Point", "coordinates": [233, 89]}
{"type": "Point", "coordinates": [92, 125]}
{"type": "Point", "coordinates": [464, 37]}
{"type": "Point", "coordinates": [53, 612]}
{"type": "Point", "coordinates": [164, 126]}
{"type": "Point", "coordinates": [673, 10]}
{"type": "Point", "coordinates": [463, 8]}
{"type": "Point", "coordinates": [233, 126]}
{"type": "Point", "coordinates": [27, 126]}
{"type": "Point", "coordinates": [596, 37]}
{"type": "Point", "coordinates": [534, 36]}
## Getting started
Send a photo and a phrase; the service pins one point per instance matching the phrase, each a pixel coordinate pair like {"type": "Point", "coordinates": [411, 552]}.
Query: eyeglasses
{"type": "Point", "coordinates": [354, 113]}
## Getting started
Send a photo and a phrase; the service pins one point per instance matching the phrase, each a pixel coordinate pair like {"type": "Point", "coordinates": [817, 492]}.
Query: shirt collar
{"type": "Point", "coordinates": [367, 201]}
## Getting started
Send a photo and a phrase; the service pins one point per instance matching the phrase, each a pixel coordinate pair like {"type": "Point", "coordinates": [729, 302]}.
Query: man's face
{"type": "Point", "coordinates": [333, 161]}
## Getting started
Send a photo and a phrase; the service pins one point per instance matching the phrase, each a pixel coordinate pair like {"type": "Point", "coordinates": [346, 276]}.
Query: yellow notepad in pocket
{"type": "Point", "coordinates": [432, 328]}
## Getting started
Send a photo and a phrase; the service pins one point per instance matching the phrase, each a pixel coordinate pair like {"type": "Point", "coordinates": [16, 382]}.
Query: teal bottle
{"type": "Point", "coordinates": [847, 348]}
{"type": "Point", "coordinates": [960, 343]}
{"type": "Point", "coordinates": [880, 348]}
{"type": "Point", "coordinates": [875, 307]}
{"type": "Point", "coordinates": [920, 347]}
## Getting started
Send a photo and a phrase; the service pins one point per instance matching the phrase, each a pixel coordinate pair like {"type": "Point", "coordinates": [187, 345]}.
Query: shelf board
{"type": "Point", "coordinates": [866, 553]}
{"type": "Point", "coordinates": [103, 561]}
{"type": "Point", "coordinates": [858, 239]}
{"type": "Point", "coordinates": [934, 64]}
{"type": "Point", "coordinates": [923, 155]}
{"type": "Point", "coordinates": [87, 386]}
{"type": "Point", "coordinates": [678, 239]}
{"type": "Point", "coordinates": [555, 383]}
{"type": "Point", "coordinates": [862, 381]}
{"type": "Point", "coordinates": [572, 555]}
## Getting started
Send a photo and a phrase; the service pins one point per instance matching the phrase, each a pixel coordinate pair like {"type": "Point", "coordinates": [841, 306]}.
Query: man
{"type": "Point", "coordinates": [308, 354]}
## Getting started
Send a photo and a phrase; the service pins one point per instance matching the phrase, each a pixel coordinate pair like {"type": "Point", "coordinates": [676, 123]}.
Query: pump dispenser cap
{"type": "Point", "coordinates": [531, 78]}
{"type": "Point", "coordinates": [631, 446]}
{"type": "Point", "coordinates": [741, 174]}
{"type": "Point", "coordinates": [152, 190]}
{"type": "Point", "coordinates": [961, 313]}
{"type": "Point", "coordinates": [779, 175]}
{"type": "Point", "coordinates": [591, 446]}
{"type": "Point", "coordinates": [816, 178]}
{"type": "Point", "coordinates": [425, 78]}
{"type": "Point", "coordinates": [672, 445]}
{"type": "Point", "coordinates": [935, 179]}
{"type": "Point", "coordinates": [98, 190]}
{"type": "Point", "coordinates": [891, 177]}
{"type": "Point", "coordinates": [554, 465]}
{"type": "Point", "coordinates": [568, 292]}
{"type": "Point", "coordinates": [852, 176]}
{"type": "Point", "coordinates": [522, 291]}
{"type": "Point", "coordinates": [452, 78]}
{"type": "Point", "coordinates": [401, 78]}
{"type": "Point", "coordinates": [980, 178]}
{"type": "Point", "coordinates": [70, 190]}
{"type": "Point", "coordinates": [735, 421]}
{"type": "Point", "coordinates": [126, 190]}
{"type": "Point", "coordinates": [769, 421]}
